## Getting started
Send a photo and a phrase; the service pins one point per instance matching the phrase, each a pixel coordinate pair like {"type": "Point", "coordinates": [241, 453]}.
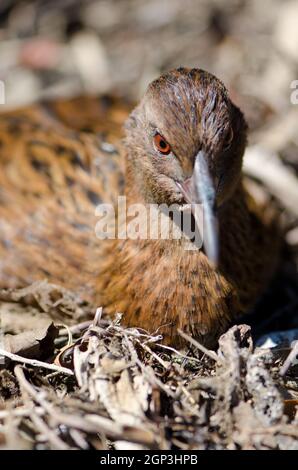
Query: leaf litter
{"type": "Point", "coordinates": [97, 385]}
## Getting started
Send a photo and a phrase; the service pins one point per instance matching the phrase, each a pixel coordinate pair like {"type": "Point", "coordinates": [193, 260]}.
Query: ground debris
{"type": "Point", "coordinates": [55, 301]}
{"type": "Point", "coordinates": [129, 391]}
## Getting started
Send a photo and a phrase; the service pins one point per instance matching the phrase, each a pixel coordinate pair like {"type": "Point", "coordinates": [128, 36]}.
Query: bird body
{"type": "Point", "coordinates": [59, 160]}
{"type": "Point", "coordinates": [162, 286]}
{"type": "Point", "coordinates": [52, 176]}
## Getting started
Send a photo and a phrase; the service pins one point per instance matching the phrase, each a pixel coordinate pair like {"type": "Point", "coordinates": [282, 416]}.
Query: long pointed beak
{"type": "Point", "coordinates": [199, 191]}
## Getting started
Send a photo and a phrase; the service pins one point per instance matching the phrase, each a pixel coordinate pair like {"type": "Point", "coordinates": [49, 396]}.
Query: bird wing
{"type": "Point", "coordinates": [58, 161]}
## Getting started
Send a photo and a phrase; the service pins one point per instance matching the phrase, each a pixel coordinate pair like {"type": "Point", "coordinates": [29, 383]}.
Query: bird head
{"type": "Point", "coordinates": [185, 142]}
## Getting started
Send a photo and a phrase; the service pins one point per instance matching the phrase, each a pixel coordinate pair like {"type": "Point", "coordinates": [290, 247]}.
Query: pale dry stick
{"type": "Point", "coordinates": [133, 353]}
{"type": "Point", "coordinates": [50, 435]}
{"type": "Point", "coordinates": [102, 425]}
{"type": "Point", "coordinates": [57, 416]}
{"type": "Point", "coordinates": [135, 333]}
{"type": "Point", "coordinates": [77, 437]}
{"type": "Point", "coordinates": [68, 332]}
{"type": "Point", "coordinates": [75, 329]}
{"type": "Point", "coordinates": [179, 444]}
{"type": "Point", "coordinates": [194, 359]}
{"type": "Point", "coordinates": [187, 394]}
{"type": "Point", "coordinates": [10, 435]}
{"type": "Point", "coordinates": [163, 363]}
{"type": "Point", "coordinates": [164, 325]}
{"type": "Point", "coordinates": [30, 394]}
{"type": "Point", "coordinates": [192, 406]}
{"type": "Point", "coordinates": [20, 412]}
{"type": "Point", "coordinates": [289, 430]}
{"type": "Point", "coordinates": [291, 357]}
{"type": "Point", "coordinates": [37, 396]}
{"type": "Point", "coordinates": [152, 376]}
{"type": "Point", "coordinates": [35, 362]}
{"type": "Point", "coordinates": [97, 316]}
{"type": "Point", "coordinates": [183, 389]}
{"type": "Point", "coordinates": [51, 375]}
{"type": "Point", "coordinates": [199, 346]}
{"type": "Point", "coordinates": [97, 425]}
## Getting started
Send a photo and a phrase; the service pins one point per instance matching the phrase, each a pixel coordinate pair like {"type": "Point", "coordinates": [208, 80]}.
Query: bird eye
{"type": "Point", "coordinates": [161, 144]}
{"type": "Point", "coordinates": [228, 139]}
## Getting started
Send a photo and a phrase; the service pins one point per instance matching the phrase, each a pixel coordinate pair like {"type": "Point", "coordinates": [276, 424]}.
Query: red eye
{"type": "Point", "coordinates": [161, 144]}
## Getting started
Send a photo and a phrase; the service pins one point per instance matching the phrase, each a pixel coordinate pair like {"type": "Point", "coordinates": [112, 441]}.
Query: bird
{"type": "Point", "coordinates": [182, 145]}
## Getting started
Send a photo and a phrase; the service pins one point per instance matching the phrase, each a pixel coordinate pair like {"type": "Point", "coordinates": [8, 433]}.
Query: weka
{"type": "Point", "coordinates": [60, 159]}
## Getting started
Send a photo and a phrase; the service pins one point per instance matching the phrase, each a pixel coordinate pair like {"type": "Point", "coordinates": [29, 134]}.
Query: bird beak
{"type": "Point", "coordinates": [199, 191]}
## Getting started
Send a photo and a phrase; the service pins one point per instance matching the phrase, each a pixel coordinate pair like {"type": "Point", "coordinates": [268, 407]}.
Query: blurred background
{"type": "Point", "coordinates": [68, 47]}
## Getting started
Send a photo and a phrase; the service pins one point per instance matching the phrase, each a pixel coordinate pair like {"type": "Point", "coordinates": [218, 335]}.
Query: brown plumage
{"type": "Point", "coordinates": [59, 160]}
